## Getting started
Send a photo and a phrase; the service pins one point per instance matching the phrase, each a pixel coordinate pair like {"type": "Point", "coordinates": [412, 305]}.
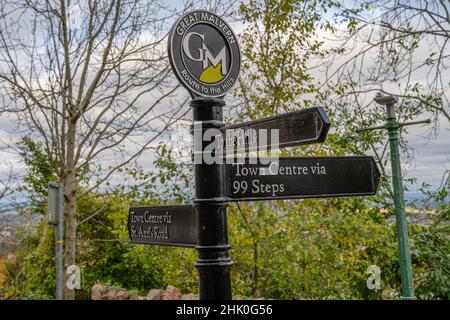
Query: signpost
{"type": "Point", "coordinates": [293, 129]}
{"type": "Point", "coordinates": [163, 225]}
{"type": "Point", "coordinates": [55, 209]}
{"type": "Point", "coordinates": [205, 57]}
{"type": "Point", "coordinates": [302, 177]}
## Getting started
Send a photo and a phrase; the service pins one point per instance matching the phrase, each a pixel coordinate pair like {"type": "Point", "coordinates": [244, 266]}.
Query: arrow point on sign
{"type": "Point", "coordinates": [376, 175]}
{"type": "Point", "coordinates": [325, 124]}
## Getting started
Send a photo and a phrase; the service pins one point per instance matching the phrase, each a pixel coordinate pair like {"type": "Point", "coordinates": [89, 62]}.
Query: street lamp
{"type": "Point", "coordinates": [389, 101]}
{"type": "Point", "coordinates": [402, 229]}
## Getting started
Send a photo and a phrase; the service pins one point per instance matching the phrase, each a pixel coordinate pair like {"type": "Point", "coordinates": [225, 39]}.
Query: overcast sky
{"type": "Point", "coordinates": [431, 157]}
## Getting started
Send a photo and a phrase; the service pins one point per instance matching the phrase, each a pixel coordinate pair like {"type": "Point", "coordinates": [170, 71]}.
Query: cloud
{"type": "Point", "coordinates": [431, 157]}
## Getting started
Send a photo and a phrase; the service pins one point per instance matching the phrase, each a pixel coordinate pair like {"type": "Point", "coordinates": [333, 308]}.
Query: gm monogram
{"type": "Point", "coordinates": [218, 68]}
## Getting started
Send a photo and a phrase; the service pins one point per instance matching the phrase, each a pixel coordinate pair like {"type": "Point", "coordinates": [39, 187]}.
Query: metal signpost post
{"type": "Point", "coordinates": [205, 57]}
{"type": "Point", "coordinates": [213, 261]}
{"type": "Point", "coordinates": [56, 218]}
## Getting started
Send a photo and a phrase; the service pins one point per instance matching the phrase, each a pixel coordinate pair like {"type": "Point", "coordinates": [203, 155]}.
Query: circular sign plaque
{"type": "Point", "coordinates": [204, 54]}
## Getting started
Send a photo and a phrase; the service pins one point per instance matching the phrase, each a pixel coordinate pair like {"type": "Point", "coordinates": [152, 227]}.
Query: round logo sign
{"type": "Point", "coordinates": [204, 54]}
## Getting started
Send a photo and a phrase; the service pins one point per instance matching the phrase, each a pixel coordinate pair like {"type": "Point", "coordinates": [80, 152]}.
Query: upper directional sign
{"type": "Point", "coordinates": [302, 177]}
{"type": "Point", "coordinates": [295, 128]}
{"type": "Point", "coordinates": [163, 225]}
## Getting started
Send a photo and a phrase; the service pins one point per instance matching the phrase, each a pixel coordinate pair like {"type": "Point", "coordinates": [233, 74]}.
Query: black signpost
{"type": "Point", "coordinates": [293, 129]}
{"type": "Point", "coordinates": [205, 57]}
{"type": "Point", "coordinates": [213, 261]}
{"type": "Point", "coordinates": [301, 177]}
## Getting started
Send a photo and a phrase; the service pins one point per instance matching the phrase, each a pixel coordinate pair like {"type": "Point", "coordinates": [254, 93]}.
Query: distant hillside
{"type": "Point", "coordinates": [11, 217]}
{"type": "Point", "coordinates": [9, 222]}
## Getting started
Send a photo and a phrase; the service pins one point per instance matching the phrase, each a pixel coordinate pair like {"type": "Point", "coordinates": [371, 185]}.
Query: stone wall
{"type": "Point", "coordinates": [101, 292]}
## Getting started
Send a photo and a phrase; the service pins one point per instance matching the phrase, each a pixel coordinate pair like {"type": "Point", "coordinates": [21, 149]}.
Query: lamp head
{"type": "Point", "coordinates": [385, 100]}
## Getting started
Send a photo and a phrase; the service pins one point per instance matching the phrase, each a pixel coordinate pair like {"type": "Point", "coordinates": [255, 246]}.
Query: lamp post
{"type": "Point", "coordinates": [402, 229]}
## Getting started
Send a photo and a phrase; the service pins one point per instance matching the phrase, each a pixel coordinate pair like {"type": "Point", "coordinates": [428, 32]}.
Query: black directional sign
{"type": "Point", "coordinates": [295, 128]}
{"type": "Point", "coordinates": [163, 225]}
{"type": "Point", "coordinates": [301, 177]}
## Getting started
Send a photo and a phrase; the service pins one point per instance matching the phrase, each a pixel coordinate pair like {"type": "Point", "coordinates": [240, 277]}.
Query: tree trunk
{"type": "Point", "coordinates": [71, 207]}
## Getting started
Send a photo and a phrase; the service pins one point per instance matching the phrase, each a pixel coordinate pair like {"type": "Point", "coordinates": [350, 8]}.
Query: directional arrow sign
{"type": "Point", "coordinates": [301, 177]}
{"type": "Point", "coordinates": [295, 128]}
{"type": "Point", "coordinates": [163, 225]}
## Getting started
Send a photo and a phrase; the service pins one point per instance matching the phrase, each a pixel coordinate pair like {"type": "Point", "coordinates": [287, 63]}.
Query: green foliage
{"type": "Point", "coordinates": [105, 254]}
{"type": "Point", "coordinates": [169, 181]}
{"type": "Point", "coordinates": [314, 249]}
{"type": "Point", "coordinates": [430, 248]}
{"type": "Point", "coordinates": [279, 42]}
{"type": "Point", "coordinates": [39, 173]}
{"type": "Point", "coordinates": [31, 274]}
{"type": "Point", "coordinates": [303, 249]}
{"type": "Point", "coordinates": [431, 252]}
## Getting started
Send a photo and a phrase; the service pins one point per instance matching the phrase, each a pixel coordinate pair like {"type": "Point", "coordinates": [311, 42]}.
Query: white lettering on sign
{"type": "Point", "coordinates": [240, 137]}
{"type": "Point", "coordinates": [274, 169]}
{"type": "Point", "coordinates": [150, 232]}
{"type": "Point", "coordinates": [256, 186]}
{"type": "Point", "coordinates": [232, 140]}
{"type": "Point", "coordinates": [227, 84]}
{"type": "Point", "coordinates": [150, 226]}
{"type": "Point", "coordinates": [205, 16]}
{"type": "Point", "coordinates": [273, 189]}
{"type": "Point", "coordinates": [189, 80]}
{"type": "Point", "coordinates": [148, 218]}
{"type": "Point", "coordinates": [205, 55]}
{"type": "Point", "coordinates": [186, 22]}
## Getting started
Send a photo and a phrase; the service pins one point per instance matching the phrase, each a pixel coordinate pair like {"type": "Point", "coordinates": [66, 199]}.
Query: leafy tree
{"type": "Point", "coordinates": [295, 249]}
{"type": "Point", "coordinates": [75, 76]}
{"type": "Point", "coordinates": [362, 235]}
{"type": "Point", "coordinates": [279, 44]}
{"type": "Point", "coordinates": [399, 47]}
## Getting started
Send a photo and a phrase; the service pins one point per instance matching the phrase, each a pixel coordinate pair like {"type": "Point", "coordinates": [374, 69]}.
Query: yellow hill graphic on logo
{"type": "Point", "coordinates": [212, 74]}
